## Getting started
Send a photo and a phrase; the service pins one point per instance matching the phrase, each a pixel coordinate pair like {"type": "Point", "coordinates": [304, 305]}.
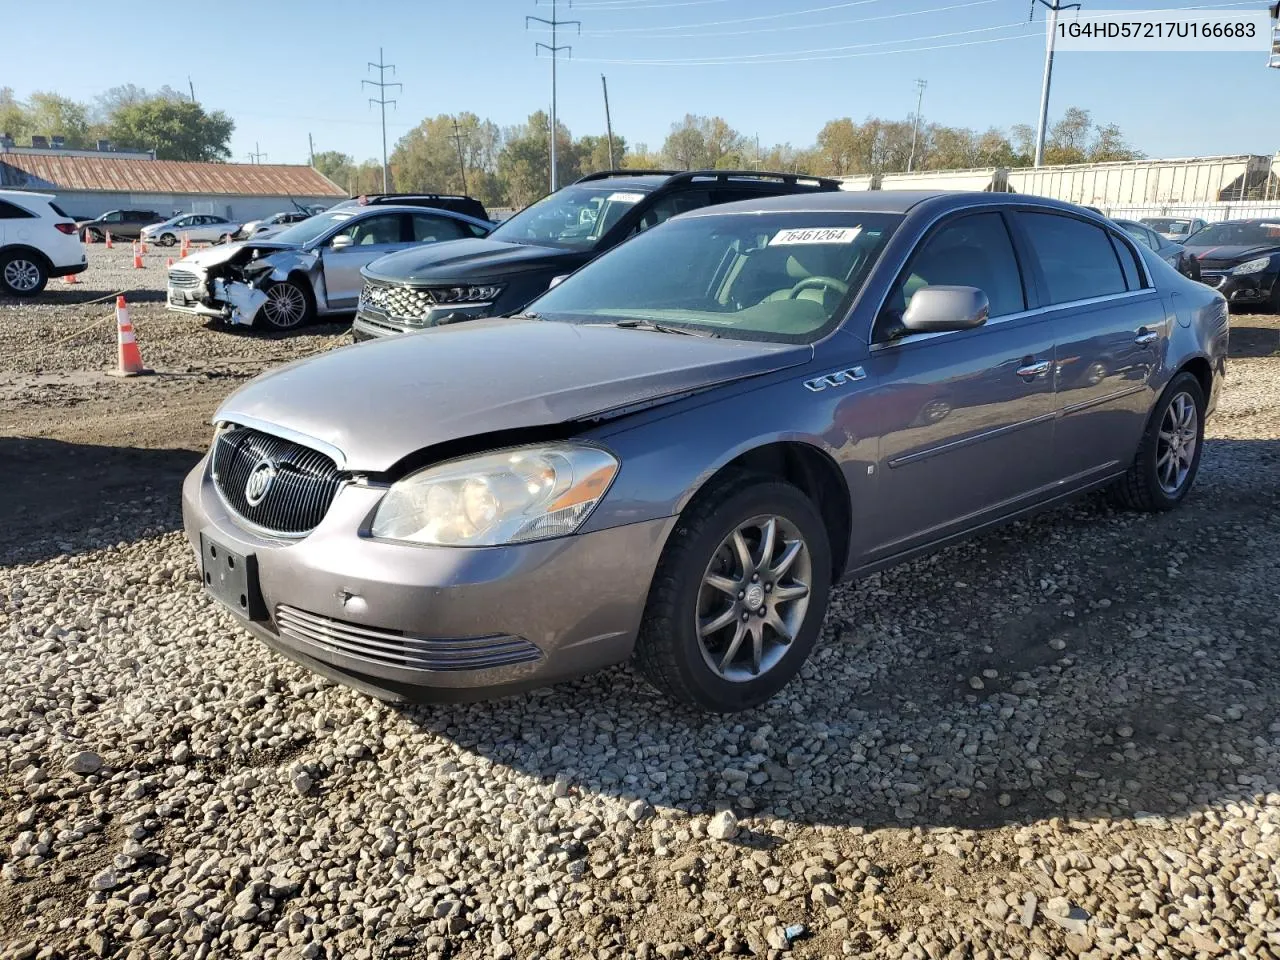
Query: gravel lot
{"type": "Point", "coordinates": [1061, 739]}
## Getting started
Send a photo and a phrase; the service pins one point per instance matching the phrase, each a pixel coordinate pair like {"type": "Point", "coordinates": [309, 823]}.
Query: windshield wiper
{"type": "Point", "coordinates": [660, 328]}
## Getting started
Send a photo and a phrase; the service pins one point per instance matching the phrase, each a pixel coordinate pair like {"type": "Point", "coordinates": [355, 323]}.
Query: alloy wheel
{"type": "Point", "coordinates": [285, 306]}
{"type": "Point", "coordinates": [21, 275]}
{"type": "Point", "coordinates": [753, 598]}
{"type": "Point", "coordinates": [1177, 442]}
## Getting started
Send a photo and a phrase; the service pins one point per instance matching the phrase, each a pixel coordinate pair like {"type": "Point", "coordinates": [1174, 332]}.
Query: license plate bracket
{"type": "Point", "coordinates": [232, 578]}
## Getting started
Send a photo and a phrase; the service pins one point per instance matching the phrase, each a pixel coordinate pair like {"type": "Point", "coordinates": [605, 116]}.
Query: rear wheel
{"type": "Point", "coordinates": [22, 274]}
{"type": "Point", "coordinates": [287, 307]}
{"type": "Point", "coordinates": [1168, 457]}
{"type": "Point", "coordinates": [738, 597]}
{"type": "Point", "coordinates": [167, 240]}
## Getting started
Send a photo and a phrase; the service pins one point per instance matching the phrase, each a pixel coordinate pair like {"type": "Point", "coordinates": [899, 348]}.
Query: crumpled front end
{"type": "Point", "coordinates": [233, 289]}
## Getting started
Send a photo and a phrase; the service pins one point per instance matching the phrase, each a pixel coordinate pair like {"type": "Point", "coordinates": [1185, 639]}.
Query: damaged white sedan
{"type": "Point", "coordinates": [311, 269]}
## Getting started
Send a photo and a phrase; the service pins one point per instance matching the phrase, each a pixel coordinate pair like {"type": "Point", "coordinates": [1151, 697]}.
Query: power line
{"type": "Point", "coordinates": [382, 101]}
{"type": "Point", "coordinates": [1054, 8]}
{"type": "Point", "coordinates": [758, 19]}
{"type": "Point", "coordinates": [257, 156]}
{"type": "Point", "coordinates": [555, 23]}
{"type": "Point", "coordinates": [608, 122]}
{"type": "Point", "coordinates": [622, 6]}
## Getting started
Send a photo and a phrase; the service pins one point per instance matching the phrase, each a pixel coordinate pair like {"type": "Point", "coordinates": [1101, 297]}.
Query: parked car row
{"type": "Point", "coordinates": [675, 451]}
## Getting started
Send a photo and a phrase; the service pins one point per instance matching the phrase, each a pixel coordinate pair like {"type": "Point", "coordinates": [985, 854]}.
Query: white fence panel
{"type": "Point", "coordinates": [1212, 212]}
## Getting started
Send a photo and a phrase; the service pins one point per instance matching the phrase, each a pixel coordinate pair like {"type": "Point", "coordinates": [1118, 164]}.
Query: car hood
{"type": "Point", "coordinates": [380, 401]}
{"type": "Point", "coordinates": [467, 260]}
{"type": "Point", "coordinates": [1237, 252]}
{"type": "Point", "coordinates": [224, 252]}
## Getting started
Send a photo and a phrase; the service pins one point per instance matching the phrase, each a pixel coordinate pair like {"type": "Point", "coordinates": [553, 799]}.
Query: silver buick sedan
{"type": "Point", "coordinates": [673, 454]}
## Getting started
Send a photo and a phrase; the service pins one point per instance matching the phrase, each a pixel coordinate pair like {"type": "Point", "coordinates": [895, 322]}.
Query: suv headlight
{"type": "Point", "coordinates": [1251, 266]}
{"type": "Point", "coordinates": [477, 294]}
{"type": "Point", "coordinates": [512, 496]}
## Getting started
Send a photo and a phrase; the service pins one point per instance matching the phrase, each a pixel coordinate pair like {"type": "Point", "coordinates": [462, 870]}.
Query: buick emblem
{"type": "Point", "coordinates": [259, 482]}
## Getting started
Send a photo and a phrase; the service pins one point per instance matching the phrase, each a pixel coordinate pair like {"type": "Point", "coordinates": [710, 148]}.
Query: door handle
{"type": "Point", "coordinates": [1030, 370]}
{"type": "Point", "coordinates": [1146, 336]}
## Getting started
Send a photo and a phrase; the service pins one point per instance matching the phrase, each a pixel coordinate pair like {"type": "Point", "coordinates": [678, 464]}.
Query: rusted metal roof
{"type": "Point", "coordinates": [115, 175]}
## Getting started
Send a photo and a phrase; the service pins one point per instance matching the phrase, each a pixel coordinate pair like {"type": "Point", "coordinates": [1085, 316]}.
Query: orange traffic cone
{"type": "Point", "coordinates": [110, 246]}
{"type": "Point", "coordinates": [137, 258]}
{"type": "Point", "coordinates": [186, 245]}
{"type": "Point", "coordinates": [70, 278]}
{"type": "Point", "coordinates": [144, 246]}
{"type": "Point", "coordinates": [88, 236]}
{"type": "Point", "coordinates": [130, 358]}
{"type": "Point", "coordinates": [168, 263]}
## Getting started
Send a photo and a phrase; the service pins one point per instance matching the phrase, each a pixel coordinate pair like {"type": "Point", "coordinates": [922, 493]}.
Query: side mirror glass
{"type": "Point", "coordinates": [340, 242]}
{"type": "Point", "coordinates": [942, 308]}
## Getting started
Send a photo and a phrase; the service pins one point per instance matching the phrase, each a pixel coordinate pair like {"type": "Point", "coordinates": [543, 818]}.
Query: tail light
{"type": "Point", "coordinates": [67, 228]}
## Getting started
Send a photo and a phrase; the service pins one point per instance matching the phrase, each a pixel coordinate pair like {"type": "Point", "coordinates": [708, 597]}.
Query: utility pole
{"type": "Point", "coordinates": [192, 87]}
{"type": "Point", "coordinates": [608, 124]}
{"type": "Point", "coordinates": [1054, 8]}
{"type": "Point", "coordinates": [311, 150]}
{"type": "Point", "coordinates": [457, 138]}
{"type": "Point", "coordinates": [915, 123]}
{"type": "Point", "coordinates": [554, 23]}
{"type": "Point", "coordinates": [381, 100]}
{"type": "Point", "coordinates": [257, 156]}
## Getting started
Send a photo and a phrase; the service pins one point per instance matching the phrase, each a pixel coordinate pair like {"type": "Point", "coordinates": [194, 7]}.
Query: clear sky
{"type": "Point", "coordinates": [287, 68]}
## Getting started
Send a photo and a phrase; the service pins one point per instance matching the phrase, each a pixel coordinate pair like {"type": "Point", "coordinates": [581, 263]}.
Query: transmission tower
{"type": "Point", "coordinates": [381, 100]}
{"type": "Point", "coordinates": [555, 24]}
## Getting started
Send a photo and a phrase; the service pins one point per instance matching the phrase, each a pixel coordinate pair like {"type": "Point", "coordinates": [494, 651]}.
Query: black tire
{"type": "Point", "coordinates": [166, 240]}
{"type": "Point", "coordinates": [296, 291]}
{"type": "Point", "coordinates": [1141, 488]}
{"type": "Point", "coordinates": [97, 235]}
{"type": "Point", "coordinates": [1275, 296]}
{"type": "Point", "coordinates": [22, 273]}
{"type": "Point", "coordinates": [669, 650]}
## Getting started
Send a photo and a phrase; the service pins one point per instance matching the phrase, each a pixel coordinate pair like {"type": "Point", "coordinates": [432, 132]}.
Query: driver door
{"type": "Point", "coordinates": [372, 237]}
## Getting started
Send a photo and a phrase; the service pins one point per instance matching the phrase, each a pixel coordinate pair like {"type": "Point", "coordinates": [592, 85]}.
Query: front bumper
{"type": "Point", "coordinates": [370, 608]}
{"type": "Point", "coordinates": [1247, 288]}
{"type": "Point", "coordinates": [370, 324]}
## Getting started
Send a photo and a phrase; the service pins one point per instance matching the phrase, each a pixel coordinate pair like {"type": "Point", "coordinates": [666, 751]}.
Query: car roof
{"type": "Point", "coordinates": [18, 194]}
{"type": "Point", "coordinates": [883, 201]}
{"type": "Point", "coordinates": [385, 208]}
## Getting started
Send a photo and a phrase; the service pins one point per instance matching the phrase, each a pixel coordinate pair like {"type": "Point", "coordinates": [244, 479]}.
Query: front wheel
{"type": "Point", "coordinates": [288, 305]}
{"type": "Point", "coordinates": [22, 274]}
{"type": "Point", "coordinates": [1168, 457]}
{"type": "Point", "coordinates": [738, 597]}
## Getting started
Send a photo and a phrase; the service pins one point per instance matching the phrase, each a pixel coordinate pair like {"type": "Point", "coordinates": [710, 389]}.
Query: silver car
{"type": "Point", "coordinates": [307, 270]}
{"type": "Point", "coordinates": [673, 454]}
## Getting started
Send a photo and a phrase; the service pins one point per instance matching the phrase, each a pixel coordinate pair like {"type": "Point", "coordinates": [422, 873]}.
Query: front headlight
{"type": "Point", "coordinates": [477, 294]}
{"type": "Point", "coordinates": [513, 496]}
{"type": "Point", "coordinates": [1251, 266]}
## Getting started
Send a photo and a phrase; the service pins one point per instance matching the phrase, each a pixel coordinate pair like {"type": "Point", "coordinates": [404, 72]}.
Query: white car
{"type": "Point", "coordinates": [37, 241]}
{"type": "Point", "coordinates": [270, 226]}
{"type": "Point", "coordinates": [199, 227]}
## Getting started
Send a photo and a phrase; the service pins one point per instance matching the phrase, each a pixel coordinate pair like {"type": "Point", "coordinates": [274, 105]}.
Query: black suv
{"type": "Point", "coordinates": [469, 206]}
{"type": "Point", "coordinates": [125, 224]}
{"type": "Point", "coordinates": [495, 276]}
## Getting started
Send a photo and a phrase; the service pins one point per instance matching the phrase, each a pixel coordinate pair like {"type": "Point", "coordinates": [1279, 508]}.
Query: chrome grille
{"type": "Point", "coordinates": [183, 279]}
{"type": "Point", "coordinates": [411, 304]}
{"type": "Point", "coordinates": [297, 497]}
{"type": "Point", "coordinates": [1212, 280]}
{"type": "Point", "coordinates": [394, 648]}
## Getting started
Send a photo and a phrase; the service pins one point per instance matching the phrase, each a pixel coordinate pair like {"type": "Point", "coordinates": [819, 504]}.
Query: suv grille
{"type": "Point", "coordinates": [393, 648]}
{"type": "Point", "coordinates": [411, 304]}
{"type": "Point", "coordinates": [294, 486]}
{"type": "Point", "coordinates": [184, 279]}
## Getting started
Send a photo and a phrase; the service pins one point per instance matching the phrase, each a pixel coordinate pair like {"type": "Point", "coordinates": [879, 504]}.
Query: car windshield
{"type": "Point", "coordinates": [312, 228]}
{"type": "Point", "coordinates": [1238, 234]}
{"type": "Point", "coordinates": [1166, 225]}
{"type": "Point", "coordinates": [575, 217]}
{"type": "Point", "coordinates": [785, 277]}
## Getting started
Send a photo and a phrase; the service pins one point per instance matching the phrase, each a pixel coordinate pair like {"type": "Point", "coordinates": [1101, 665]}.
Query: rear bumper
{"type": "Point", "coordinates": [406, 622]}
{"type": "Point", "coordinates": [80, 267]}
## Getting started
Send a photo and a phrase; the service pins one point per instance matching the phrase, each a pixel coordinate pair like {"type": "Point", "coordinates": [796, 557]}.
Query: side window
{"type": "Point", "coordinates": [384, 228]}
{"type": "Point", "coordinates": [1129, 263]}
{"type": "Point", "coordinates": [476, 230]}
{"type": "Point", "coordinates": [669, 206]}
{"type": "Point", "coordinates": [429, 229]}
{"type": "Point", "coordinates": [11, 211]}
{"type": "Point", "coordinates": [1077, 258]}
{"type": "Point", "coordinates": [115, 216]}
{"type": "Point", "coordinates": [969, 251]}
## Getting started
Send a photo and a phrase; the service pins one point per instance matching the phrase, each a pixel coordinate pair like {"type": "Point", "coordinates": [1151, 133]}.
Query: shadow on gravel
{"type": "Point", "coordinates": [1086, 663]}
{"type": "Point", "coordinates": [60, 294]}
{"type": "Point", "coordinates": [1255, 341]}
{"type": "Point", "coordinates": [62, 498]}
{"type": "Point", "coordinates": [320, 328]}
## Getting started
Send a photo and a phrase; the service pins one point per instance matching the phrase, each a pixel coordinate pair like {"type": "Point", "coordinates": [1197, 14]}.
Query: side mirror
{"type": "Point", "coordinates": [340, 242]}
{"type": "Point", "coordinates": [943, 308]}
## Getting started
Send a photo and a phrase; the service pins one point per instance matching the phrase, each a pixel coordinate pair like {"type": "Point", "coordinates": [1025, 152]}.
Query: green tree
{"type": "Point", "coordinates": [704, 143]}
{"type": "Point", "coordinates": [335, 165]}
{"type": "Point", "coordinates": [525, 163]}
{"type": "Point", "coordinates": [57, 116]}
{"type": "Point", "coordinates": [432, 156]}
{"type": "Point", "coordinates": [177, 130]}
{"type": "Point", "coordinates": [13, 115]}
{"type": "Point", "coordinates": [593, 152]}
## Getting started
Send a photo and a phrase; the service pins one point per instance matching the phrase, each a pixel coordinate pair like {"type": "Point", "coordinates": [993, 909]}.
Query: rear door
{"type": "Point", "coordinates": [966, 418]}
{"type": "Point", "coordinates": [1110, 326]}
{"type": "Point", "coordinates": [372, 236]}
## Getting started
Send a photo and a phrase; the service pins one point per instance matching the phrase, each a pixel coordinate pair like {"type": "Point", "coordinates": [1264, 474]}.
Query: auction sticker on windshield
{"type": "Point", "coordinates": [625, 197]}
{"type": "Point", "coordinates": [797, 235]}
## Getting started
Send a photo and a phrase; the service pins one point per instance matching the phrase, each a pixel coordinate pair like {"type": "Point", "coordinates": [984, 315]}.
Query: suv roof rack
{"type": "Point", "coordinates": [606, 174]}
{"type": "Point", "coordinates": [794, 179]}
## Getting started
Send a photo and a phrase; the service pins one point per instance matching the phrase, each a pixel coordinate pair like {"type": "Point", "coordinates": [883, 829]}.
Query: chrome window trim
{"type": "Point", "coordinates": [285, 433]}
